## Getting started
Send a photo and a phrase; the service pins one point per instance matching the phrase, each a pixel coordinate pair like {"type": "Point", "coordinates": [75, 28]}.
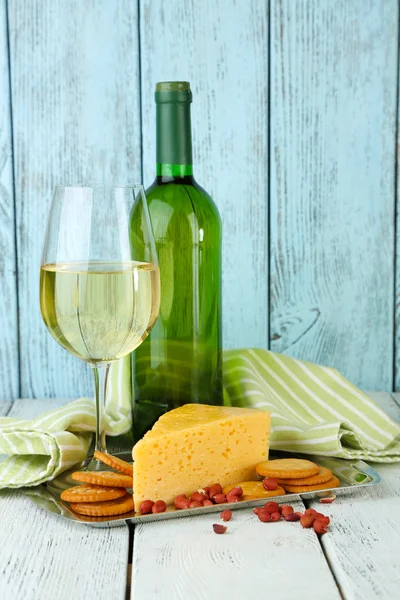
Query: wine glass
{"type": "Point", "coordinates": [99, 278]}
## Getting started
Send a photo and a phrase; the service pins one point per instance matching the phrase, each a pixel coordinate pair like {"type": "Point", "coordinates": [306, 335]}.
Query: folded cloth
{"type": "Point", "coordinates": [40, 449]}
{"type": "Point", "coordinates": [314, 410]}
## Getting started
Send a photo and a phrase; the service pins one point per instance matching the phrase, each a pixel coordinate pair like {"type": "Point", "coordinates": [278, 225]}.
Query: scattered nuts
{"type": "Point", "coordinates": [292, 517]}
{"type": "Point", "coordinates": [319, 515]}
{"type": "Point", "coordinates": [264, 516]}
{"type": "Point", "coordinates": [307, 520]}
{"type": "Point", "coordinates": [226, 515]}
{"type": "Point", "coordinates": [323, 518]}
{"type": "Point", "coordinates": [320, 526]}
{"type": "Point", "coordinates": [182, 502]}
{"type": "Point", "coordinates": [287, 510]}
{"type": "Point", "coordinates": [275, 516]}
{"type": "Point", "coordinates": [270, 512]}
{"type": "Point", "coordinates": [159, 507]}
{"type": "Point", "coordinates": [232, 498]}
{"type": "Point", "coordinates": [270, 484]}
{"type": "Point", "coordinates": [219, 528]}
{"type": "Point", "coordinates": [236, 491]}
{"type": "Point", "coordinates": [328, 500]}
{"type": "Point", "coordinates": [272, 507]}
{"type": "Point", "coordinates": [146, 507]}
{"type": "Point", "coordinates": [219, 498]}
{"type": "Point", "coordinates": [214, 490]}
{"type": "Point", "coordinates": [197, 497]}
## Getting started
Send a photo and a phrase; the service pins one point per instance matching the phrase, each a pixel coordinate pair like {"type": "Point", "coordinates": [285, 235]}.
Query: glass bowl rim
{"type": "Point", "coordinates": [91, 186]}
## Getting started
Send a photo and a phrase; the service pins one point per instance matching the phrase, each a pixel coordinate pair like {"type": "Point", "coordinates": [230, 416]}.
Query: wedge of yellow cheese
{"type": "Point", "coordinates": [197, 445]}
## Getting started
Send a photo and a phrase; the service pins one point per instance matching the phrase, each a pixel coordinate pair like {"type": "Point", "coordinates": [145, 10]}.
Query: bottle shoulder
{"type": "Point", "coordinates": [205, 194]}
{"type": "Point", "coordinates": [186, 197]}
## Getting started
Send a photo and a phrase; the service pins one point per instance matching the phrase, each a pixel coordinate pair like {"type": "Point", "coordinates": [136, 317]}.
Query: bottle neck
{"type": "Point", "coordinates": [174, 141]}
{"type": "Point", "coordinates": [173, 171]}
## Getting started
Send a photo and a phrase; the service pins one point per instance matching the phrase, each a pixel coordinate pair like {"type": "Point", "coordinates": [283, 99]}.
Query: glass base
{"type": "Point", "coordinates": [93, 464]}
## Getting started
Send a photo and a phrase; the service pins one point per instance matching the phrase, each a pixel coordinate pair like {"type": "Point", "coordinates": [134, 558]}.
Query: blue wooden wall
{"type": "Point", "coordinates": [295, 119]}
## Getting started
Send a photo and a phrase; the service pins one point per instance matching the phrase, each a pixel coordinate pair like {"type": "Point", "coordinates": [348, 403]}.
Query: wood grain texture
{"type": "Point", "coordinates": [390, 403]}
{"type": "Point", "coordinates": [9, 368]}
{"type": "Point", "coordinates": [224, 54]}
{"type": "Point", "coordinates": [5, 407]}
{"type": "Point", "coordinates": [396, 383]}
{"type": "Point", "coordinates": [362, 545]}
{"type": "Point", "coordinates": [396, 398]}
{"type": "Point", "coordinates": [75, 92]}
{"type": "Point", "coordinates": [251, 560]}
{"type": "Point", "coordinates": [43, 557]}
{"type": "Point", "coordinates": [30, 408]}
{"type": "Point", "coordinates": [333, 112]}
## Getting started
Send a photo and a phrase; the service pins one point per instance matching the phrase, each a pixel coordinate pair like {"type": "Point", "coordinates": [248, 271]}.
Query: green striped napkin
{"type": "Point", "coordinates": [40, 449]}
{"type": "Point", "coordinates": [314, 409]}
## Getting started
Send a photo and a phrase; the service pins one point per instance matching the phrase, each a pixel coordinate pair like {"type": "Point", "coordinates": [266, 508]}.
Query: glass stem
{"type": "Point", "coordinates": [100, 372]}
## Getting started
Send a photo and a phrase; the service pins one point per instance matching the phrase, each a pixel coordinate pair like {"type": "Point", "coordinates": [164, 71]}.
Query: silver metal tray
{"type": "Point", "coordinates": [353, 475]}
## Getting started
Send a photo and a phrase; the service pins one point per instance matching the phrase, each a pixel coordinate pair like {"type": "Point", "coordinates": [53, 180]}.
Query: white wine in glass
{"type": "Point", "coordinates": [99, 295]}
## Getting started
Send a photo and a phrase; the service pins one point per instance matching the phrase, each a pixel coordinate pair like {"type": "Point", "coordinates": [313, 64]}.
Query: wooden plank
{"type": "Point", "coordinates": [333, 120]}
{"type": "Point", "coordinates": [396, 383]}
{"type": "Point", "coordinates": [5, 407]}
{"type": "Point", "coordinates": [42, 556]}
{"type": "Point", "coordinates": [363, 540]}
{"type": "Point", "coordinates": [388, 402]}
{"type": "Point", "coordinates": [186, 559]}
{"type": "Point", "coordinates": [224, 54]}
{"type": "Point", "coordinates": [9, 369]}
{"type": "Point", "coordinates": [396, 398]}
{"type": "Point", "coordinates": [75, 91]}
{"type": "Point", "coordinates": [29, 408]}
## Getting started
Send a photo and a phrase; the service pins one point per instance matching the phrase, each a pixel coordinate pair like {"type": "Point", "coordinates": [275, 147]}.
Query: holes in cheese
{"type": "Point", "coordinates": [196, 445]}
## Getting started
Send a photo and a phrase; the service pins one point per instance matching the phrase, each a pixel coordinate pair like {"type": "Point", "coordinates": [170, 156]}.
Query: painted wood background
{"type": "Point", "coordinates": [295, 119]}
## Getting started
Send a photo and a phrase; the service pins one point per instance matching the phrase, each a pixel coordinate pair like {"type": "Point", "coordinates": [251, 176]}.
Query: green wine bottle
{"type": "Point", "coordinates": [181, 360]}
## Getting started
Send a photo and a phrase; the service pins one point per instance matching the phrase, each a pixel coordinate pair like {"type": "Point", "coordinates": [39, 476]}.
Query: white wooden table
{"type": "Point", "coordinates": [42, 557]}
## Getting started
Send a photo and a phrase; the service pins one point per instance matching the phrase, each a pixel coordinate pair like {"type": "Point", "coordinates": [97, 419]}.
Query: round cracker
{"type": "Point", "coordinates": [114, 462]}
{"type": "Point", "coordinates": [91, 493]}
{"type": "Point", "coordinates": [297, 489]}
{"type": "Point", "coordinates": [287, 468]}
{"type": "Point", "coordinates": [103, 478]}
{"type": "Point", "coordinates": [322, 476]}
{"type": "Point", "coordinates": [103, 509]}
{"type": "Point", "coordinates": [252, 490]}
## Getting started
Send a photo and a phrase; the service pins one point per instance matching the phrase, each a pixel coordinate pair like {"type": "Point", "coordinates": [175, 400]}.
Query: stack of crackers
{"type": "Point", "coordinates": [103, 493]}
{"type": "Point", "coordinates": [297, 475]}
{"type": "Point", "coordinates": [106, 493]}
